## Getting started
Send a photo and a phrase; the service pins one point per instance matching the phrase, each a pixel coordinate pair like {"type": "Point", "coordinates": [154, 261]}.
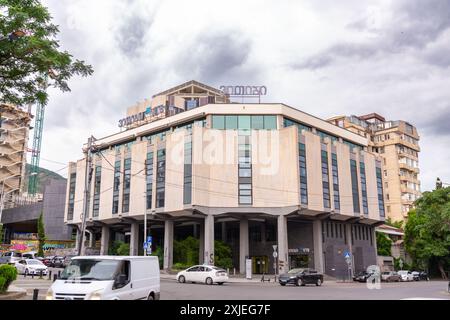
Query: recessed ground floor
{"type": "Point", "coordinates": [335, 245]}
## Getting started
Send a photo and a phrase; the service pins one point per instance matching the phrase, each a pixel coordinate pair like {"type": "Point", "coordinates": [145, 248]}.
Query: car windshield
{"type": "Point", "coordinates": [386, 273]}
{"type": "Point", "coordinates": [295, 271]}
{"type": "Point", "coordinates": [403, 272]}
{"type": "Point", "coordinates": [34, 262]}
{"type": "Point", "coordinates": [87, 269]}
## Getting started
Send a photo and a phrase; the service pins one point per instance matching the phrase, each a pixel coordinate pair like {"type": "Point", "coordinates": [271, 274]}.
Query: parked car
{"type": "Point", "coordinates": [11, 257]}
{"type": "Point", "coordinates": [362, 276]}
{"type": "Point", "coordinates": [390, 276]}
{"type": "Point", "coordinates": [47, 261]}
{"type": "Point", "coordinates": [57, 262]}
{"type": "Point", "coordinates": [301, 277]}
{"type": "Point", "coordinates": [420, 275]}
{"type": "Point", "coordinates": [31, 266]}
{"type": "Point", "coordinates": [406, 275]}
{"type": "Point", "coordinates": [30, 255]}
{"type": "Point", "coordinates": [203, 274]}
{"type": "Point", "coordinates": [108, 278]}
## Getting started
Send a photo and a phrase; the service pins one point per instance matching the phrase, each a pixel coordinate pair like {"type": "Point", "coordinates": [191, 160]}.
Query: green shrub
{"type": "Point", "coordinates": [180, 266]}
{"type": "Point", "coordinates": [2, 285]}
{"type": "Point", "coordinates": [222, 255]}
{"type": "Point", "coordinates": [9, 274]}
{"type": "Point", "coordinates": [160, 254]}
{"type": "Point", "coordinates": [119, 248]}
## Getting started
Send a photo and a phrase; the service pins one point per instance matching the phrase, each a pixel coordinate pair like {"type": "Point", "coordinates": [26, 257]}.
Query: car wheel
{"type": "Point", "coordinates": [181, 279]}
{"type": "Point", "coordinates": [282, 284]}
{"type": "Point", "coordinates": [319, 282]}
{"type": "Point", "coordinates": [220, 283]}
{"type": "Point", "coordinates": [299, 282]}
{"type": "Point", "coordinates": [209, 281]}
{"type": "Point", "coordinates": [151, 297]}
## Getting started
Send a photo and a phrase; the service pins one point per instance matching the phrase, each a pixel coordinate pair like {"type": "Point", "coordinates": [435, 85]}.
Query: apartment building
{"type": "Point", "coordinates": [253, 175]}
{"type": "Point", "coordinates": [397, 142]}
{"type": "Point", "coordinates": [14, 130]}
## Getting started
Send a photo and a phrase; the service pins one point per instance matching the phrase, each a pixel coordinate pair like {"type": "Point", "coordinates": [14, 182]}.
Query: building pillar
{"type": "Point", "coordinates": [282, 245]}
{"type": "Point", "coordinates": [201, 255]}
{"type": "Point", "coordinates": [104, 242]}
{"type": "Point", "coordinates": [348, 230]}
{"type": "Point", "coordinates": [134, 239]}
{"type": "Point", "coordinates": [243, 244]}
{"type": "Point", "coordinates": [77, 239]}
{"type": "Point", "coordinates": [318, 246]}
{"type": "Point", "coordinates": [194, 230]}
{"type": "Point", "coordinates": [168, 245]}
{"type": "Point", "coordinates": [209, 240]}
{"type": "Point", "coordinates": [224, 231]}
{"type": "Point", "coordinates": [91, 239]}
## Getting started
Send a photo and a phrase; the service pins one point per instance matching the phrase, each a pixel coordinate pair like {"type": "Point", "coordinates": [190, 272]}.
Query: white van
{"type": "Point", "coordinates": [108, 278]}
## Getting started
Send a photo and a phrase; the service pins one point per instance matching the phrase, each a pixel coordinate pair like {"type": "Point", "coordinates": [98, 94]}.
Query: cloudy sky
{"type": "Point", "coordinates": [358, 57]}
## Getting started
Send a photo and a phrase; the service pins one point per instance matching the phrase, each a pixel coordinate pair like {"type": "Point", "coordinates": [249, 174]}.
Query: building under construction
{"type": "Point", "coordinates": [14, 130]}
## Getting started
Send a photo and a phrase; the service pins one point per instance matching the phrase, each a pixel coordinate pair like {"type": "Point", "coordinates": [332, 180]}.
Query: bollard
{"type": "Point", "coordinates": [55, 276]}
{"type": "Point", "coordinates": [50, 275]}
{"type": "Point", "coordinates": [40, 274]}
{"type": "Point", "coordinates": [234, 271]}
{"type": "Point", "coordinates": [59, 274]}
{"type": "Point", "coordinates": [35, 294]}
{"type": "Point", "coordinates": [32, 276]}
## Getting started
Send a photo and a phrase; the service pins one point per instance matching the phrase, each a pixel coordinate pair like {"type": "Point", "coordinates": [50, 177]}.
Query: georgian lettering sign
{"type": "Point", "coordinates": [131, 119]}
{"type": "Point", "coordinates": [256, 91]}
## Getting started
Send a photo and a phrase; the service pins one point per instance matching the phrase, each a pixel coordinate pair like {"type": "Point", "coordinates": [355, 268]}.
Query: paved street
{"type": "Point", "coordinates": [172, 290]}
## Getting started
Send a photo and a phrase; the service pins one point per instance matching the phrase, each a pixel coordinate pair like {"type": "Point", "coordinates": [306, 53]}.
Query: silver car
{"type": "Point", "coordinates": [390, 276]}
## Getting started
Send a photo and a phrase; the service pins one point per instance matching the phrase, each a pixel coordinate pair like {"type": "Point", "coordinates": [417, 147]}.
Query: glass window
{"type": "Point", "coordinates": [218, 122]}
{"type": "Point", "coordinates": [258, 122]}
{"type": "Point", "coordinates": [231, 122]}
{"type": "Point", "coordinates": [270, 122]}
{"type": "Point", "coordinates": [244, 122]}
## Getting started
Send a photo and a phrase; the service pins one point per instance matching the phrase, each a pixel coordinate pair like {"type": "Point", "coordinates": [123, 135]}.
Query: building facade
{"type": "Point", "coordinates": [397, 142]}
{"type": "Point", "coordinates": [20, 222]}
{"type": "Point", "coordinates": [251, 175]}
{"type": "Point", "coordinates": [14, 130]}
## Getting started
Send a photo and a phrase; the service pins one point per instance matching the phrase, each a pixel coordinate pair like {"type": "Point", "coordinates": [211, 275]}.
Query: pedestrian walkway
{"type": "Point", "coordinates": [232, 279]}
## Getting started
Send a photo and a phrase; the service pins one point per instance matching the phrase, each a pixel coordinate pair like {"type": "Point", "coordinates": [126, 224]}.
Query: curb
{"type": "Point", "coordinates": [13, 296]}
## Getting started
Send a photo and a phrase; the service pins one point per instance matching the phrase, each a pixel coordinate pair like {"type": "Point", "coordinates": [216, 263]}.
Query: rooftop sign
{"type": "Point", "coordinates": [255, 91]}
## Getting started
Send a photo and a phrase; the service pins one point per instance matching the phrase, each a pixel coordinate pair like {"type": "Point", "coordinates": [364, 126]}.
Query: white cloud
{"type": "Point", "coordinates": [356, 58]}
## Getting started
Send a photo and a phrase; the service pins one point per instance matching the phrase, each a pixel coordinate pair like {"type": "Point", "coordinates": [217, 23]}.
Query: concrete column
{"type": "Point", "coordinates": [348, 230]}
{"type": "Point", "coordinates": [374, 239]}
{"type": "Point", "coordinates": [195, 230]}
{"type": "Point", "coordinates": [209, 239]}
{"type": "Point", "coordinates": [77, 240]}
{"type": "Point", "coordinates": [318, 246]}
{"type": "Point", "coordinates": [168, 245]}
{"type": "Point", "coordinates": [243, 244]}
{"type": "Point", "coordinates": [104, 242]}
{"type": "Point", "coordinates": [201, 255]}
{"type": "Point", "coordinates": [134, 239]}
{"type": "Point", "coordinates": [282, 244]}
{"type": "Point", "coordinates": [91, 239]}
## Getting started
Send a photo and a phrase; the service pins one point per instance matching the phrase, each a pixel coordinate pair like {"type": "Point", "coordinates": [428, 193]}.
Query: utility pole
{"type": "Point", "coordinates": [87, 187]}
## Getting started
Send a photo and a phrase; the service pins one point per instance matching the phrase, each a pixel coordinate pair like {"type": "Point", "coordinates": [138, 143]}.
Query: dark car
{"type": "Point", "coordinates": [57, 262]}
{"type": "Point", "coordinates": [422, 275]}
{"type": "Point", "coordinates": [301, 277]}
{"type": "Point", "coordinates": [362, 276]}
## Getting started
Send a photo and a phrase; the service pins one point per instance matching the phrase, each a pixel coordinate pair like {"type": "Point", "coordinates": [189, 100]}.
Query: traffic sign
{"type": "Point", "coordinates": [275, 254]}
{"type": "Point", "coordinates": [275, 247]}
{"type": "Point", "coordinates": [145, 246]}
{"type": "Point", "coordinates": [347, 255]}
{"type": "Point", "coordinates": [149, 239]}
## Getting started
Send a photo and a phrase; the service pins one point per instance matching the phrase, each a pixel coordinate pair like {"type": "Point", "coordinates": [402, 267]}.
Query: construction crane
{"type": "Point", "coordinates": [36, 150]}
{"type": "Point", "coordinates": [37, 140]}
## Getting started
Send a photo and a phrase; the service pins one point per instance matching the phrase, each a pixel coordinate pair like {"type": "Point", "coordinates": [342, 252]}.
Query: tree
{"type": "Point", "coordinates": [41, 234]}
{"type": "Point", "coordinates": [222, 255]}
{"type": "Point", "coordinates": [384, 244]}
{"type": "Point", "coordinates": [427, 231]}
{"type": "Point", "coordinates": [32, 58]}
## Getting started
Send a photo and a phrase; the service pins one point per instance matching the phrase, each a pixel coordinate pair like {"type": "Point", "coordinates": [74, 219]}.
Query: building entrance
{"type": "Point", "coordinates": [299, 261]}
{"type": "Point", "coordinates": [260, 265]}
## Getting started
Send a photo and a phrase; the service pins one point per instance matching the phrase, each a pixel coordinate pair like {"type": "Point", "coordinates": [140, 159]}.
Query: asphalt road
{"type": "Point", "coordinates": [171, 290]}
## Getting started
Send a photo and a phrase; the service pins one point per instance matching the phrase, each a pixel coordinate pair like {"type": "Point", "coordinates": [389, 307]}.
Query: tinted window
{"type": "Point", "coordinates": [193, 269]}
